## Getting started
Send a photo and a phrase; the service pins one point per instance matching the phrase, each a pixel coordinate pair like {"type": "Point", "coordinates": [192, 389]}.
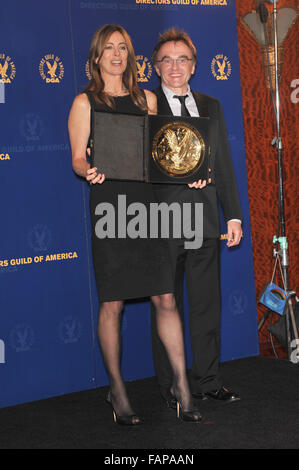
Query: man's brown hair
{"type": "Point", "coordinates": [174, 35]}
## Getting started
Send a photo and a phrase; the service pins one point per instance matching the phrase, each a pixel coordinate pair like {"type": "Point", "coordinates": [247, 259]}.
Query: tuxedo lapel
{"type": "Point", "coordinates": [163, 105]}
{"type": "Point", "coordinates": [202, 104]}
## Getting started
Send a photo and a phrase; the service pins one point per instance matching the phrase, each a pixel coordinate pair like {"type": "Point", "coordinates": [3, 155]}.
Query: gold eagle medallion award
{"type": "Point", "coordinates": [178, 149]}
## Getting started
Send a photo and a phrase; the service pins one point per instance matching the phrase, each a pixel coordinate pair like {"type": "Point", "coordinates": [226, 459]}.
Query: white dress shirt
{"type": "Point", "coordinates": [191, 105]}
{"type": "Point", "coordinates": [175, 104]}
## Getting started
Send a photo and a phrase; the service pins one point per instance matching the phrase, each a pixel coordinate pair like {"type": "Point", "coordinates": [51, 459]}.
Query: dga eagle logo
{"type": "Point", "coordinates": [238, 302]}
{"type": "Point", "coordinates": [51, 69]}
{"type": "Point", "coordinates": [39, 238]}
{"type": "Point", "coordinates": [22, 338]}
{"type": "Point", "coordinates": [31, 127]}
{"type": "Point", "coordinates": [7, 69]}
{"type": "Point", "coordinates": [70, 330]}
{"type": "Point", "coordinates": [144, 68]}
{"type": "Point", "coordinates": [221, 67]}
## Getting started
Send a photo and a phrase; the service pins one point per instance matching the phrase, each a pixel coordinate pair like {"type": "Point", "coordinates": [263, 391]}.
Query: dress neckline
{"type": "Point", "coordinates": [124, 96]}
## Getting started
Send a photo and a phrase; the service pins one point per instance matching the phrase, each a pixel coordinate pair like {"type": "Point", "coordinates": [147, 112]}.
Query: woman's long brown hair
{"type": "Point", "coordinates": [96, 84]}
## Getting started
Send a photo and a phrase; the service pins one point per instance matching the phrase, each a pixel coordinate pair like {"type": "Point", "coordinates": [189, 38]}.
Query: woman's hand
{"type": "Point", "coordinates": [93, 177]}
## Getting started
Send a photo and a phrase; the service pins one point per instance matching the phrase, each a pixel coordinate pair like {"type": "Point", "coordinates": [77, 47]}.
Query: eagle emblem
{"type": "Point", "coordinates": [144, 68]}
{"type": "Point", "coordinates": [178, 149]}
{"type": "Point", "coordinates": [3, 70]}
{"type": "Point", "coordinates": [51, 69]}
{"type": "Point", "coordinates": [221, 67]}
{"type": "Point", "coordinates": [7, 69]}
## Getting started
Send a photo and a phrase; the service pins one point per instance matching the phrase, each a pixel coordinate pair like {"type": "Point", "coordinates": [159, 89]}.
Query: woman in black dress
{"type": "Point", "coordinates": [125, 268]}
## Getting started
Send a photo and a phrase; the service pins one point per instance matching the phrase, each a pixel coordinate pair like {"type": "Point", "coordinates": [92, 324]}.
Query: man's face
{"type": "Point", "coordinates": [174, 74]}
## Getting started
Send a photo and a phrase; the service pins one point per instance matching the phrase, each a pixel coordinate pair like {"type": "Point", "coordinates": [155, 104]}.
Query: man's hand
{"type": "Point", "coordinates": [200, 183]}
{"type": "Point", "coordinates": [234, 233]}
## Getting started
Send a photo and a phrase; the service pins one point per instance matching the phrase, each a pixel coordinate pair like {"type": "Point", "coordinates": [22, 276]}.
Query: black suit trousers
{"type": "Point", "coordinates": [201, 267]}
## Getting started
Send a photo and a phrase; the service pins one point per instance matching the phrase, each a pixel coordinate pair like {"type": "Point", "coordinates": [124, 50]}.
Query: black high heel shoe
{"type": "Point", "coordinates": [129, 420]}
{"type": "Point", "coordinates": [192, 416]}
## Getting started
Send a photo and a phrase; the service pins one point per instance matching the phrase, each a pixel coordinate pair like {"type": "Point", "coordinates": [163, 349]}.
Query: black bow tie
{"type": "Point", "coordinates": [184, 109]}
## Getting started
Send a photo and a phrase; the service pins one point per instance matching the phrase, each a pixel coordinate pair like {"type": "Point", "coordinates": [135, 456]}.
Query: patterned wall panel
{"type": "Point", "coordinates": [261, 156]}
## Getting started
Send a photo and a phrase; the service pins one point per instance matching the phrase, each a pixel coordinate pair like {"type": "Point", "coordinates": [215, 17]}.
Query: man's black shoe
{"type": "Point", "coordinates": [200, 396]}
{"type": "Point", "coordinates": [223, 394]}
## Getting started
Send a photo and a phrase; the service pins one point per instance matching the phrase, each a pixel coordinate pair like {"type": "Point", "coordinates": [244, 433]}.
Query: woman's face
{"type": "Point", "coordinates": [115, 56]}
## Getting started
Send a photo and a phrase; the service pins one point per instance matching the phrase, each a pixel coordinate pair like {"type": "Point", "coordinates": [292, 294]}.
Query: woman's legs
{"type": "Point", "coordinates": [110, 341]}
{"type": "Point", "coordinates": [171, 334]}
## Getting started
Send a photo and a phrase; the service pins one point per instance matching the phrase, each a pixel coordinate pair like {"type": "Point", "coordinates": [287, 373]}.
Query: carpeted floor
{"type": "Point", "coordinates": [266, 418]}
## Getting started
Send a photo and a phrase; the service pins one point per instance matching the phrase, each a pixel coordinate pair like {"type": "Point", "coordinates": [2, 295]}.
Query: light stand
{"type": "Point", "coordinates": [281, 238]}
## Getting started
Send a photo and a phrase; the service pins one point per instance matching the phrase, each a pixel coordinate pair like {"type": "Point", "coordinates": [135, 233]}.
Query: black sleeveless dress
{"type": "Point", "coordinates": [127, 268]}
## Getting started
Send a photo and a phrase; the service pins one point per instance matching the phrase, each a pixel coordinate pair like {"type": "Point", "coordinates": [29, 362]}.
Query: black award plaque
{"type": "Point", "coordinates": [156, 149]}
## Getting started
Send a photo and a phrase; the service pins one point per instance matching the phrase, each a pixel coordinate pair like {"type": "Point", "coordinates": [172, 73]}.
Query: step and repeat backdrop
{"type": "Point", "coordinates": [48, 300]}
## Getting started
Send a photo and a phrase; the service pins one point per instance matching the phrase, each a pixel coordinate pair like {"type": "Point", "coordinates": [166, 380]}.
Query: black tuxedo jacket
{"type": "Point", "coordinates": [223, 187]}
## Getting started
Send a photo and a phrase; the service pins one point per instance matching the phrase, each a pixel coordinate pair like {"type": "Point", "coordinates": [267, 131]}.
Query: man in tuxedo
{"type": "Point", "coordinates": [174, 59]}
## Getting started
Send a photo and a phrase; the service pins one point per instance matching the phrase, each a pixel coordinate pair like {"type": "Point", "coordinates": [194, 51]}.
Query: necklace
{"type": "Point", "coordinates": [116, 93]}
